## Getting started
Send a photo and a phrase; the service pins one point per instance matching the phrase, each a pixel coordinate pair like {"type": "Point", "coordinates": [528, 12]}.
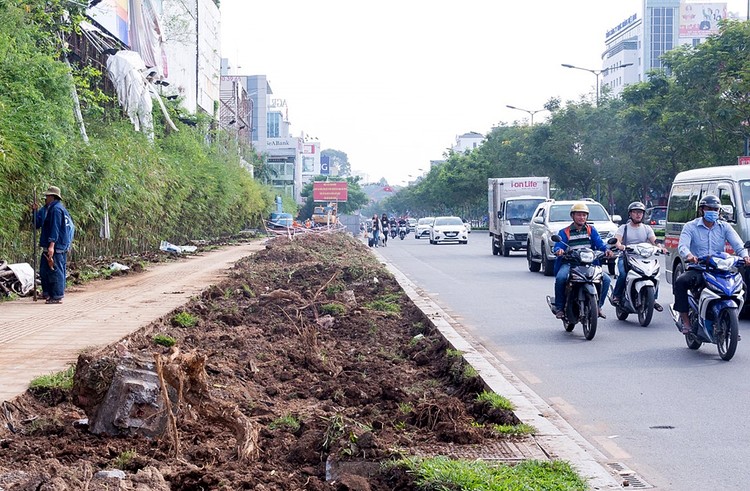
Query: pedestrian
{"type": "Point", "coordinates": [384, 228]}
{"type": "Point", "coordinates": [55, 239]}
{"type": "Point", "coordinates": [376, 229]}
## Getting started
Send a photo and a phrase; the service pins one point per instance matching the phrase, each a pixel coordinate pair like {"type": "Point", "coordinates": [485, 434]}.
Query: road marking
{"type": "Point", "coordinates": [530, 377]}
{"type": "Point", "coordinates": [611, 447]}
{"type": "Point", "coordinates": [562, 405]}
{"type": "Point", "coordinates": [504, 355]}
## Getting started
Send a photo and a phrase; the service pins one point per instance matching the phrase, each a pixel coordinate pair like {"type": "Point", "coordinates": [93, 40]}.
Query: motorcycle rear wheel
{"type": "Point", "coordinates": [726, 333]}
{"type": "Point", "coordinates": [691, 339]}
{"type": "Point", "coordinates": [590, 317]}
{"type": "Point", "coordinates": [621, 313]}
{"type": "Point", "coordinates": [646, 308]}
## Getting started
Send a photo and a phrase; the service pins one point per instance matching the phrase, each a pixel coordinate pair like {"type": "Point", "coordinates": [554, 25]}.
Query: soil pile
{"type": "Point", "coordinates": [313, 344]}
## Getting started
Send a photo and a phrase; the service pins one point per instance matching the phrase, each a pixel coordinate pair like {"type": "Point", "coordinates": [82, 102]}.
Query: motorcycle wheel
{"type": "Point", "coordinates": [590, 317]}
{"type": "Point", "coordinates": [691, 339]}
{"type": "Point", "coordinates": [646, 309]}
{"type": "Point", "coordinates": [569, 327]}
{"type": "Point", "coordinates": [726, 333]}
{"type": "Point", "coordinates": [621, 313]}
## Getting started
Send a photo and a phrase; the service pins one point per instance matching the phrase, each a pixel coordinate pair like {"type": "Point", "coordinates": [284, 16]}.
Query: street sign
{"type": "Point", "coordinates": [330, 191]}
{"type": "Point", "coordinates": [743, 160]}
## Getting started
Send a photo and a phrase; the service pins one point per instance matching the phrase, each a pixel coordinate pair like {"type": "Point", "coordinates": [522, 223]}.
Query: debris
{"type": "Point", "coordinates": [168, 247]}
{"type": "Point", "coordinates": [16, 278]}
{"type": "Point", "coordinates": [118, 267]}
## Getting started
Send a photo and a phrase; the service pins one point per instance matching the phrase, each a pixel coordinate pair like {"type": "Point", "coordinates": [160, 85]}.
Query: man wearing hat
{"type": "Point", "coordinates": [54, 240]}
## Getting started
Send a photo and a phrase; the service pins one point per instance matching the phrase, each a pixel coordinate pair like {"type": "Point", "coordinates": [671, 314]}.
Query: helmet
{"type": "Point", "coordinates": [579, 207]}
{"type": "Point", "coordinates": [636, 205]}
{"type": "Point", "coordinates": [709, 200]}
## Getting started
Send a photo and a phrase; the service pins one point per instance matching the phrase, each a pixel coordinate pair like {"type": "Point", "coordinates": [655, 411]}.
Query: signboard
{"type": "Point", "coordinates": [743, 160]}
{"type": "Point", "coordinates": [330, 191]}
{"type": "Point", "coordinates": [325, 165]}
{"type": "Point", "coordinates": [700, 20]}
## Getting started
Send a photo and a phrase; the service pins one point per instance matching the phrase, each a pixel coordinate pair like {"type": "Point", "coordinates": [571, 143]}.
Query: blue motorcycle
{"type": "Point", "coordinates": [714, 310]}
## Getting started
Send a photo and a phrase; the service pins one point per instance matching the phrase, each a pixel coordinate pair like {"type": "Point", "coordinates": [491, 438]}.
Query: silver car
{"type": "Point", "coordinates": [423, 227]}
{"type": "Point", "coordinates": [552, 216]}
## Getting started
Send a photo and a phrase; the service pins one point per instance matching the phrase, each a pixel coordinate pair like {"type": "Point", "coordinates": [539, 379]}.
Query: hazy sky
{"type": "Point", "coordinates": [392, 83]}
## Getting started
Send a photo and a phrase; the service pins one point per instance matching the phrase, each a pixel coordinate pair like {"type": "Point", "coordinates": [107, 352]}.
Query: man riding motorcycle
{"type": "Point", "coordinates": [633, 232]}
{"type": "Point", "coordinates": [577, 235]}
{"type": "Point", "coordinates": [704, 236]}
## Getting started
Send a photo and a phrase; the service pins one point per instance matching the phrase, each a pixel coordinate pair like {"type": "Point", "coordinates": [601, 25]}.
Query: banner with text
{"type": "Point", "coordinates": [330, 191]}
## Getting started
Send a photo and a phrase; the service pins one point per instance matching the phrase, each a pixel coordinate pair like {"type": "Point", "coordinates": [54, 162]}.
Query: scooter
{"type": "Point", "coordinates": [714, 310]}
{"type": "Point", "coordinates": [394, 231]}
{"type": "Point", "coordinates": [641, 283]}
{"type": "Point", "coordinates": [402, 231]}
{"type": "Point", "coordinates": [582, 289]}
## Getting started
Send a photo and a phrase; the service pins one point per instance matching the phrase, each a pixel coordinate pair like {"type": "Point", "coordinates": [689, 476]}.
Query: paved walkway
{"type": "Point", "coordinates": [38, 339]}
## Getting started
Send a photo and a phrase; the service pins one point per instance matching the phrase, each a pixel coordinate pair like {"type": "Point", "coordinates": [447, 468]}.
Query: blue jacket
{"type": "Point", "coordinates": [56, 226]}
{"type": "Point", "coordinates": [596, 242]}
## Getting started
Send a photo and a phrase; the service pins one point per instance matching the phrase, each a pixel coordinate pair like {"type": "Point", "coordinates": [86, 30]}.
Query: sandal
{"type": "Point", "coordinates": [602, 315]}
{"type": "Point", "coordinates": [658, 307]}
{"type": "Point", "coordinates": [560, 314]}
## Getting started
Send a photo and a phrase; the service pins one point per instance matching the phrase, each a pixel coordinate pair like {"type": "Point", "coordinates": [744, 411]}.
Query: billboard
{"type": "Point", "coordinates": [700, 20]}
{"type": "Point", "coordinates": [330, 191]}
{"type": "Point", "coordinates": [114, 16]}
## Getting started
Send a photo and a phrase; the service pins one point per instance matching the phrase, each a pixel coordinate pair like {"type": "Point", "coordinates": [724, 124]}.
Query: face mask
{"type": "Point", "coordinates": [711, 216]}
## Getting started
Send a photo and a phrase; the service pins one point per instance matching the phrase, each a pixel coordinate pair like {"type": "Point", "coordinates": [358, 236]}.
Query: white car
{"type": "Point", "coordinates": [423, 227]}
{"type": "Point", "coordinates": [448, 229]}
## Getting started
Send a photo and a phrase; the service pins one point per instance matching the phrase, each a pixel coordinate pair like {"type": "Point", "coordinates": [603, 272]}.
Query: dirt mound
{"type": "Point", "coordinates": [315, 343]}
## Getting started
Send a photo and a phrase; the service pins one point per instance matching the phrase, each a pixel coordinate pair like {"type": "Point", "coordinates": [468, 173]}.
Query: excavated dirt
{"type": "Point", "coordinates": [315, 344]}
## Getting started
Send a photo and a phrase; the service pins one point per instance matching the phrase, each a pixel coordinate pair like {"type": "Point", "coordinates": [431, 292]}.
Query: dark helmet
{"type": "Point", "coordinates": [636, 205]}
{"type": "Point", "coordinates": [709, 200]}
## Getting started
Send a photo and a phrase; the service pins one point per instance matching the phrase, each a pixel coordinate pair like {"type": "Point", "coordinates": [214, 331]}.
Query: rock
{"type": "Point", "coordinates": [115, 473]}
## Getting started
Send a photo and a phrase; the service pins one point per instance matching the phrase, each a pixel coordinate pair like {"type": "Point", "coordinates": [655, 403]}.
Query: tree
{"type": "Point", "coordinates": [339, 160]}
{"type": "Point", "coordinates": [356, 198]}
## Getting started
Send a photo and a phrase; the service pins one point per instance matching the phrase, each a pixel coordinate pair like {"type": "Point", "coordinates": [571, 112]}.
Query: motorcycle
{"type": "Point", "coordinates": [582, 289]}
{"type": "Point", "coordinates": [714, 309]}
{"type": "Point", "coordinates": [641, 283]}
{"type": "Point", "coordinates": [402, 231]}
{"type": "Point", "coordinates": [394, 231]}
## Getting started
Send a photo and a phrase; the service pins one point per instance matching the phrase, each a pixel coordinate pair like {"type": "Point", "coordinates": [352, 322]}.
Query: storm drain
{"type": "Point", "coordinates": [629, 478]}
{"type": "Point", "coordinates": [500, 451]}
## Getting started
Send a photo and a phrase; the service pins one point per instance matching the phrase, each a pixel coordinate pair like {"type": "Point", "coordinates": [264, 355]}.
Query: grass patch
{"type": "Point", "coordinates": [123, 459]}
{"type": "Point", "coordinates": [60, 380]}
{"type": "Point", "coordinates": [333, 309]}
{"type": "Point", "coordinates": [286, 422]}
{"type": "Point", "coordinates": [519, 429]}
{"type": "Point", "coordinates": [164, 340]}
{"type": "Point", "coordinates": [184, 319]}
{"type": "Point", "coordinates": [441, 473]}
{"type": "Point", "coordinates": [494, 400]}
{"type": "Point", "coordinates": [386, 303]}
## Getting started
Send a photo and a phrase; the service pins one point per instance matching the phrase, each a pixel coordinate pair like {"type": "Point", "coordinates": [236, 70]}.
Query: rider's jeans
{"type": "Point", "coordinates": [621, 278]}
{"type": "Point", "coordinates": [562, 277]}
{"type": "Point", "coordinates": [691, 278]}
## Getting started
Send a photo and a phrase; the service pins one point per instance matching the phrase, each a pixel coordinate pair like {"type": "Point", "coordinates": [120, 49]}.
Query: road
{"type": "Point", "coordinates": [677, 417]}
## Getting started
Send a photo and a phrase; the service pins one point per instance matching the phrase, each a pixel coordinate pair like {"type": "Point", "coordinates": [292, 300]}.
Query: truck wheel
{"type": "Point", "coordinates": [495, 249]}
{"type": "Point", "coordinates": [533, 266]}
{"type": "Point", "coordinates": [505, 249]}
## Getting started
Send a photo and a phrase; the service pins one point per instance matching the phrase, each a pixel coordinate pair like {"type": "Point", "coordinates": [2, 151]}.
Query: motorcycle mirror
{"type": "Point", "coordinates": [557, 238]}
{"type": "Point", "coordinates": [612, 241]}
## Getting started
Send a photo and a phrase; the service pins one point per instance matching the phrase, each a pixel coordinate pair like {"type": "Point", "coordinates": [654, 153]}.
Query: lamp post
{"type": "Point", "coordinates": [531, 113]}
{"type": "Point", "coordinates": [597, 73]}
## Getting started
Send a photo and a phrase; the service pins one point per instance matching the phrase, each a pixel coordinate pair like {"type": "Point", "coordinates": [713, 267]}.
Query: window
{"type": "Point", "coordinates": [726, 197]}
{"type": "Point", "coordinates": [680, 202]}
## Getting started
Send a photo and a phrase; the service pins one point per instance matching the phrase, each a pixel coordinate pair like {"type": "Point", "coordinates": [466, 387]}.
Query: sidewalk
{"type": "Point", "coordinates": [38, 339]}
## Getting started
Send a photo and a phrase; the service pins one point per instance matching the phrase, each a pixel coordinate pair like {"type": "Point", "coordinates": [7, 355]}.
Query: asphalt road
{"type": "Point", "coordinates": [677, 417]}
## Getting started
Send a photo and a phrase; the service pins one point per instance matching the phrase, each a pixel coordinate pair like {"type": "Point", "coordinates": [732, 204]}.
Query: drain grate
{"type": "Point", "coordinates": [629, 478]}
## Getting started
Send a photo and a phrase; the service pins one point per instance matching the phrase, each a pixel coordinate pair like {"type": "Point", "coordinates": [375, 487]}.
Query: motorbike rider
{"type": "Point", "coordinates": [633, 232]}
{"type": "Point", "coordinates": [577, 235]}
{"type": "Point", "coordinates": [704, 236]}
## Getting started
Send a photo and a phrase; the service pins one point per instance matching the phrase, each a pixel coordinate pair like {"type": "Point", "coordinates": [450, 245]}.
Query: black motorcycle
{"type": "Point", "coordinates": [582, 290]}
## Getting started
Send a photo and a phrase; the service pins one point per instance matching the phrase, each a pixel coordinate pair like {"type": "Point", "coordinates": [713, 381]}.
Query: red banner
{"type": "Point", "coordinates": [330, 191]}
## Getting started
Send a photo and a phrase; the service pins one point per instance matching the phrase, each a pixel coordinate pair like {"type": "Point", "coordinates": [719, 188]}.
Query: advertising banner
{"type": "Point", "coordinates": [700, 20]}
{"type": "Point", "coordinates": [330, 191]}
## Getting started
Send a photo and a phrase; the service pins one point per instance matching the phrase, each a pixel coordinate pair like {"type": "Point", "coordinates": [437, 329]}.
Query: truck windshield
{"type": "Point", "coordinates": [519, 211]}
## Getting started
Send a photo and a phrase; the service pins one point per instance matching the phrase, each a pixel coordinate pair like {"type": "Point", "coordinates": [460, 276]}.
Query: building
{"type": "Point", "coordinates": [467, 142]}
{"type": "Point", "coordinates": [640, 40]}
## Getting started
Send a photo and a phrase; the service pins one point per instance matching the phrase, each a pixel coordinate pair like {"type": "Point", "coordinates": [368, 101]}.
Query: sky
{"type": "Point", "coordinates": [393, 83]}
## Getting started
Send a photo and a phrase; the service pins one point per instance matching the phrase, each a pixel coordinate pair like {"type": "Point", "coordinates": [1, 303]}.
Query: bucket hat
{"type": "Point", "coordinates": [53, 191]}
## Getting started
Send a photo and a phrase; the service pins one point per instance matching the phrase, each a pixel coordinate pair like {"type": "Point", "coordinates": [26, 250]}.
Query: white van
{"type": "Point", "coordinates": [731, 184]}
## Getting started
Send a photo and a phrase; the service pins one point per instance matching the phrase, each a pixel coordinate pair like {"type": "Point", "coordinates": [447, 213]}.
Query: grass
{"type": "Point", "coordinates": [286, 422]}
{"type": "Point", "coordinates": [494, 400]}
{"type": "Point", "coordinates": [185, 319]}
{"type": "Point", "coordinates": [512, 430]}
{"type": "Point", "coordinates": [333, 309]}
{"type": "Point", "coordinates": [164, 340]}
{"type": "Point", "coordinates": [123, 459]}
{"type": "Point", "coordinates": [386, 303]}
{"type": "Point", "coordinates": [441, 473]}
{"type": "Point", "coordinates": [60, 380]}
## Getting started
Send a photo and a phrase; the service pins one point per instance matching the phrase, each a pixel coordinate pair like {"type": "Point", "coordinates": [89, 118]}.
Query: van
{"type": "Point", "coordinates": [731, 184]}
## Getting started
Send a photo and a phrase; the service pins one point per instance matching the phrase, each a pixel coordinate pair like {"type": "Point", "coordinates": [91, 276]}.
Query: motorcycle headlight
{"type": "Point", "coordinates": [644, 250]}
{"type": "Point", "coordinates": [586, 256]}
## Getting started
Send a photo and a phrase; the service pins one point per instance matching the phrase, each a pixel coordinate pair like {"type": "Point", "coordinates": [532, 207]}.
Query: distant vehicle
{"type": "Point", "coordinates": [280, 220]}
{"type": "Point", "coordinates": [423, 227]}
{"type": "Point", "coordinates": [656, 217]}
{"type": "Point", "coordinates": [411, 224]}
{"type": "Point", "coordinates": [325, 215]}
{"type": "Point", "coordinates": [549, 218]}
{"type": "Point", "coordinates": [512, 202]}
{"type": "Point", "coordinates": [467, 224]}
{"type": "Point", "coordinates": [448, 229]}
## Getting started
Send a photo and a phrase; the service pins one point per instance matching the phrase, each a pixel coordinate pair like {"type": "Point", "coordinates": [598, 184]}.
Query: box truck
{"type": "Point", "coordinates": [512, 201]}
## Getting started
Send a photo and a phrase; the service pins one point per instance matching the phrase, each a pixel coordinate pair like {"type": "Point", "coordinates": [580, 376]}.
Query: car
{"type": "Point", "coordinates": [448, 229]}
{"type": "Point", "coordinates": [656, 217]}
{"type": "Point", "coordinates": [423, 227]}
{"type": "Point", "coordinates": [551, 216]}
{"type": "Point", "coordinates": [467, 224]}
{"type": "Point", "coordinates": [411, 224]}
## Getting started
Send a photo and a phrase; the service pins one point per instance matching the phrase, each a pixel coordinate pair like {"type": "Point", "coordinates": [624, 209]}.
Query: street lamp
{"type": "Point", "coordinates": [531, 113]}
{"type": "Point", "coordinates": [597, 73]}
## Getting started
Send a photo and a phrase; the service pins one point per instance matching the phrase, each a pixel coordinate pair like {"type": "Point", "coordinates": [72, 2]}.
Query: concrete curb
{"type": "Point", "coordinates": [558, 439]}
